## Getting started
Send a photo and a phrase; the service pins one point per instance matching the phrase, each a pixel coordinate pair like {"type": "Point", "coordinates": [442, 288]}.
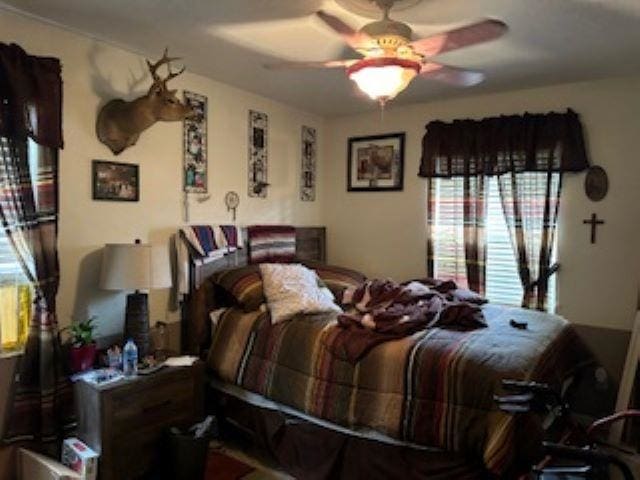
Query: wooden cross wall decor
{"type": "Point", "coordinates": [594, 222]}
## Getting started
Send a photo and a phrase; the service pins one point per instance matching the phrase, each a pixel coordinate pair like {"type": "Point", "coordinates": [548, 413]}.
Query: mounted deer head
{"type": "Point", "coordinates": [120, 123]}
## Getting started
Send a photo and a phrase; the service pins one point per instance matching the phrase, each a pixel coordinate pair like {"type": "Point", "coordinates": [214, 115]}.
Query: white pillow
{"type": "Point", "coordinates": [291, 289]}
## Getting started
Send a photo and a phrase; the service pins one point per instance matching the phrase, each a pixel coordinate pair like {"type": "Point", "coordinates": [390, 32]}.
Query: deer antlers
{"type": "Point", "coordinates": [166, 59]}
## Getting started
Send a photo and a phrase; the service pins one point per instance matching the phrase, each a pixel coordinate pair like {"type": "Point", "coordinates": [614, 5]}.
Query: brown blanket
{"type": "Point", "coordinates": [382, 310]}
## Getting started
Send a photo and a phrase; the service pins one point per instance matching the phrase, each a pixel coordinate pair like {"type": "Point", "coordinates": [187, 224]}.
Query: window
{"type": "Point", "coordinates": [503, 284]}
{"type": "Point", "coordinates": [15, 297]}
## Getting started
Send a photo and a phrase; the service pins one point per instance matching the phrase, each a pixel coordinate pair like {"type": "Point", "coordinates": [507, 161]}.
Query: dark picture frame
{"type": "Point", "coordinates": [115, 181]}
{"type": "Point", "coordinates": [376, 163]}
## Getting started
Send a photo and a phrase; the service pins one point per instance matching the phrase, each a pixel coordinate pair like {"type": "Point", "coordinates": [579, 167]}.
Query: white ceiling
{"type": "Point", "coordinates": [550, 41]}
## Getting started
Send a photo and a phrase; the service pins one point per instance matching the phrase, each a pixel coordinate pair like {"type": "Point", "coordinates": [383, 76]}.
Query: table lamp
{"type": "Point", "coordinates": [135, 266]}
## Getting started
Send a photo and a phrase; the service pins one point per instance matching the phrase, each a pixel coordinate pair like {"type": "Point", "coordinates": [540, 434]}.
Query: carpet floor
{"type": "Point", "coordinates": [227, 461]}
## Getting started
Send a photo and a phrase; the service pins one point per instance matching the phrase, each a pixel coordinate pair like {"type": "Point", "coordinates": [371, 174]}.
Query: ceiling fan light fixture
{"type": "Point", "coordinates": [383, 78]}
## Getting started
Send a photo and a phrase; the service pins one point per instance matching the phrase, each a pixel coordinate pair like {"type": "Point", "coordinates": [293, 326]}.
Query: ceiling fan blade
{"type": "Point", "coordinates": [451, 75]}
{"type": "Point", "coordinates": [461, 37]}
{"type": "Point", "coordinates": [286, 65]}
{"type": "Point", "coordinates": [354, 38]}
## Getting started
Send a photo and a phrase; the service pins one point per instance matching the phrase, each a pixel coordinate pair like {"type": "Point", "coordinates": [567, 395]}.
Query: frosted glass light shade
{"type": "Point", "coordinates": [383, 78]}
{"type": "Point", "coordinates": [134, 266]}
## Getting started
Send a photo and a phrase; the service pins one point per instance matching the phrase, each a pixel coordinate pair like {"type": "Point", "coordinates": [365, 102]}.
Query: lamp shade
{"type": "Point", "coordinates": [383, 78]}
{"type": "Point", "coordinates": [134, 266]}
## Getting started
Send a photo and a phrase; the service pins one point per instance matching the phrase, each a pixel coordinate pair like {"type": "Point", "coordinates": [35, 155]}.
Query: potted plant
{"type": "Point", "coordinates": [82, 352]}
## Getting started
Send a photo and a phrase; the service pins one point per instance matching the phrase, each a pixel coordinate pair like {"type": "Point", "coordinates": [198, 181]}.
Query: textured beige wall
{"type": "Point", "coordinates": [95, 71]}
{"type": "Point", "coordinates": [384, 234]}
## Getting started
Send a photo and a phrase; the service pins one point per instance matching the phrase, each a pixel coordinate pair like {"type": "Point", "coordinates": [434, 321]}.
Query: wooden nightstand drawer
{"type": "Point", "coordinates": [153, 404]}
{"type": "Point", "coordinates": [125, 422]}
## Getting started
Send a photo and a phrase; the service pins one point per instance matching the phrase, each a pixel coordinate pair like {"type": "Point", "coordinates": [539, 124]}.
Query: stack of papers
{"type": "Point", "coordinates": [183, 361]}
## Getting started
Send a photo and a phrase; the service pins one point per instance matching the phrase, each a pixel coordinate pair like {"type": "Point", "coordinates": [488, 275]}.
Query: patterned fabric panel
{"type": "Point", "coordinates": [434, 388]}
{"type": "Point", "coordinates": [271, 243]}
{"type": "Point", "coordinates": [244, 284]}
{"type": "Point", "coordinates": [209, 239]}
{"type": "Point", "coordinates": [337, 279]}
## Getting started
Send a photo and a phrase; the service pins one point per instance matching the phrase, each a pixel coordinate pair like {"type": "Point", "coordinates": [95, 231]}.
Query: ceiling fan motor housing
{"type": "Point", "coordinates": [388, 27]}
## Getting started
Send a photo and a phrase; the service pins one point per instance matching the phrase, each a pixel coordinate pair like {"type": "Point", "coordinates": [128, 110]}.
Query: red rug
{"type": "Point", "coordinates": [224, 467]}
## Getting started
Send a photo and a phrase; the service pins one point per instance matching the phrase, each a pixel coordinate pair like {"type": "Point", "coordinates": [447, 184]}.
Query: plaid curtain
{"type": "Point", "coordinates": [530, 201]}
{"type": "Point", "coordinates": [475, 234]}
{"type": "Point", "coordinates": [463, 202]}
{"type": "Point", "coordinates": [30, 135]}
{"type": "Point", "coordinates": [42, 395]}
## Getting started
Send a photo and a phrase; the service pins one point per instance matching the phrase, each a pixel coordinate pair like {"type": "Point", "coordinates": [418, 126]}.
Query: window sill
{"type": "Point", "coordinates": [10, 354]}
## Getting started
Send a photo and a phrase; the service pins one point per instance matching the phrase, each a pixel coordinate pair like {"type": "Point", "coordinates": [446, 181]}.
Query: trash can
{"type": "Point", "coordinates": [187, 455]}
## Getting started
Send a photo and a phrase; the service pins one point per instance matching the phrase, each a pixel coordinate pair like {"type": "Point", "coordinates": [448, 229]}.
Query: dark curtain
{"type": "Point", "coordinates": [529, 153]}
{"type": "Point", "coordinates": [530, 201]}
{"type": "Point", "coordinates": [498, 145]}
{"type": "Point", "coordinates": [30, 136]}
{"type": "Point", "coordinates": [475, 235]}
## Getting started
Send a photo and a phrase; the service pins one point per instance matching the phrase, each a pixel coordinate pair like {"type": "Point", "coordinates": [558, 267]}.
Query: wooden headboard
{"type": "Point", "coordinates": [310, 245]}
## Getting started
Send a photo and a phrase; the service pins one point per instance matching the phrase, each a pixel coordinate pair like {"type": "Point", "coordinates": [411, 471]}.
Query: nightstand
{"type": "Point", "coordinates": [124, 422]}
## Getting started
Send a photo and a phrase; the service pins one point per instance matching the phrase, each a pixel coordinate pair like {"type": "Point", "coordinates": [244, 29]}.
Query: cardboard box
{"type": "Point", "coordinates": [80, 458]}
{"type": "Point", "coordinates": [33, 466]}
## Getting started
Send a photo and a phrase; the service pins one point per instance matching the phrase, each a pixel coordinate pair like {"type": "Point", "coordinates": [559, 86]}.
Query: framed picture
{"type": "Point", "coordinates": [115, 181]}
{"type": "Point", "coordinates": [376, 163]}
{"type": "Point", "coordinates": [195, 144]}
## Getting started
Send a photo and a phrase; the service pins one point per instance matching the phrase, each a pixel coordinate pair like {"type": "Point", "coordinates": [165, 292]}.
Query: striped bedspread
{"type": "Point", "coordinates": [434, 388]}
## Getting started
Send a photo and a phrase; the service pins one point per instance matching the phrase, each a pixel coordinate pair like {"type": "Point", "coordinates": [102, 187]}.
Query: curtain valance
{"type": "Point", "coordinates": [493, 146]}
{"type": "Point", "coordinates": [27, 81]}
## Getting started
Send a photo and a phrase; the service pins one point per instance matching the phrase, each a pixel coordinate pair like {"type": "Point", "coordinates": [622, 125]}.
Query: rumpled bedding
{"type": "Point", "coordinates": [379, 311]}
{"type": "Point", "coordinates": [433, 388]}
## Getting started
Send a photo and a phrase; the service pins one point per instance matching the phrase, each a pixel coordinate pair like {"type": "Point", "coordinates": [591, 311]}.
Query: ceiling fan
{"type": "Point", "coordinates": [392, 59]}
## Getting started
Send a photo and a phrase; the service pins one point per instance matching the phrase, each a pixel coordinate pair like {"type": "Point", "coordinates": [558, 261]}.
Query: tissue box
{"type": "Point", "coordinates": [33, 466]}
{"type": "Point", "coordinates": [80, 458]}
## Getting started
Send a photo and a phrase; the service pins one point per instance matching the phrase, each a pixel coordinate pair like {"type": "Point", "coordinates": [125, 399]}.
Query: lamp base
{"type": "Point", "coordinates": [136, 322]}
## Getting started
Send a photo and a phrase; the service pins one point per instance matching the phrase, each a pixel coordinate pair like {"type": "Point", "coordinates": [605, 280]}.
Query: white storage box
{"type": "Point", "coordinates": [80, 458]}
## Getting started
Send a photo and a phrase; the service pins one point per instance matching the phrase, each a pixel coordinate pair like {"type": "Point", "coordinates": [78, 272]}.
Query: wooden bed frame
{"type": "Point", "coordinates": [310, 245]}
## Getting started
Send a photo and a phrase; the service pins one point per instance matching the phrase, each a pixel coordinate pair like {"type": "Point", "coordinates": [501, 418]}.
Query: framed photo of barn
{"type": "Point", "coordinates": [376, 163]}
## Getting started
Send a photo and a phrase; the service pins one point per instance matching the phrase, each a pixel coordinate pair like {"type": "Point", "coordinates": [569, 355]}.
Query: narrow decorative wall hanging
{"type": "Point", "coordinates": [195, 144]}
{"type": "Point", "coordinates": [308, 172]}
{"type": "Point", "coordinates": [258, 154]}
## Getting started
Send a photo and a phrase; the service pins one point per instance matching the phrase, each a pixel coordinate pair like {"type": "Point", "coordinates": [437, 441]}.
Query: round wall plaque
{"type": "Point", "coordinates": [596, 183]}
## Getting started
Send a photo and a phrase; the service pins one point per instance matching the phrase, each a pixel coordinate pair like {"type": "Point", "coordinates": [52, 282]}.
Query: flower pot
{"type": "Point", "coordinates": [82, 358]}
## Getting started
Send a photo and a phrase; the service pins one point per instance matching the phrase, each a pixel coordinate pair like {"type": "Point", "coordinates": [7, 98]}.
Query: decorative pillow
{"type": "Point", "coordinates": [292, 289]}
{"type": "Point", "coordinates": [244, 284]}
{"type": "Point", "coordinates": [337, 279]}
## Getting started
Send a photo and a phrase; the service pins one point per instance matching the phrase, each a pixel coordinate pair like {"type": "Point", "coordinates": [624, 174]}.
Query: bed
{"type": "Point", "coordinates": [418, 407]}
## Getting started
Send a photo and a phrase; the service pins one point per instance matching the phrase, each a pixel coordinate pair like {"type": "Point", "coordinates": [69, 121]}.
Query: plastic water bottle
{"type": "Point", "coordinates": [130, 359]}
